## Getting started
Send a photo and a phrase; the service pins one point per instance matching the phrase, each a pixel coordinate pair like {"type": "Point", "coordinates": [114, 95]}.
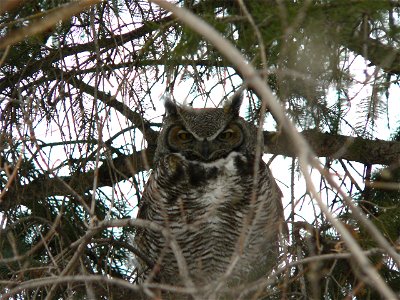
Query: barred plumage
{"type": "Point", "coordinates": [214, 198]}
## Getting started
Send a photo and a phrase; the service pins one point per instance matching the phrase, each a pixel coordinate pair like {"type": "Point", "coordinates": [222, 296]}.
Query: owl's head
{"type": "Point", "coordinates": [205, 134]}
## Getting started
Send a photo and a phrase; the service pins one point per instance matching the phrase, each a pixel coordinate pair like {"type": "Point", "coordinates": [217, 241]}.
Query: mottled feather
{"type": "Point", "coordinates": [216, 208]}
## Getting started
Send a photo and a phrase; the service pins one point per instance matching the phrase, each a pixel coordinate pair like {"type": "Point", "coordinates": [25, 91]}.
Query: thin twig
{"type": "Point", "coordinates": [305, 154]}
{"type": "Point", "coordinates": [264, 282]}
{"type": "Point", "coordinates": [51, 19]}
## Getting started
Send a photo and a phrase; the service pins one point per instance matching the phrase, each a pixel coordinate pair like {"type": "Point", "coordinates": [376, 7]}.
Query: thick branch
{"type": "Point", "coordinates": [124, 166]}
{"type": "Point", "coordinates": [338, 146]}
{"type": "Point", "coordinates": [120, 168]}
{"type": "Point", "coordinates": [9, 5]}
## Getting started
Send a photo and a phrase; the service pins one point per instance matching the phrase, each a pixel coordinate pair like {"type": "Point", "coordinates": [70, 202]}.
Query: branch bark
{"type": "Point", "coordinates": [117, 169]}
{"type": "Point", "coordinates": [384, 56]}
{"type": "Point", "coordinates": [125, 166]}
{"type": "Point", "coordinates": [337, 146]}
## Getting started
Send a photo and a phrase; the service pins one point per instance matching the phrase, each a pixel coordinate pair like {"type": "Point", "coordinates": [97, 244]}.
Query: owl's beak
{"type": "Point", "coordinates": [205, 149]}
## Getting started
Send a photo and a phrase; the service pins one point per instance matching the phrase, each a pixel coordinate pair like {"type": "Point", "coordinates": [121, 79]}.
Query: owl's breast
{"type": "Point", "coordinates": [206, 205]}
{"type": "Point", "coordinates": [206, 184]}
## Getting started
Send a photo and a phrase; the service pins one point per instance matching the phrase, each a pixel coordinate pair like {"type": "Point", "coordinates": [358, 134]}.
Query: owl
{"type": "Point", "coordinates": [215, 198]}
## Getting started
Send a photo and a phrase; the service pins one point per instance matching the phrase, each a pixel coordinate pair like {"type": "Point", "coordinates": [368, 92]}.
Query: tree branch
{"type": "Point", "coordinates": [384, 56]}
{"type": "Point", "coordinates": [337, 146]}
{"type": "Point", "coordinates": [125, 166]}
{"type": "Point", "coordinates": [136, 118]}
{"type": "Point", "coordinates": [108, 174]}
{"type": "Point", "coordinates": [104, 44]}
{"type": "Point", "coordinates": [51, 18]}
{"type": "Point", "coordinates": [65, 51]}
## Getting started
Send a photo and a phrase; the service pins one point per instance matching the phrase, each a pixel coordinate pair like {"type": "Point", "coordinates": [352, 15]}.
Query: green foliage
{"type": "Point", "coordinates": [76, 99]}
{"type": "Point", "coordinates": [32, 48]}
{"type": "Point", "coordinates": [383, 202]}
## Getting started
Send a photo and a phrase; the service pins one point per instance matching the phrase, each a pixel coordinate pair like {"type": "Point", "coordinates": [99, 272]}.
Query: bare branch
{"type": "Point", "coordinates": [52, 18]}
{"type": "Point", "coordinates": [136, 118]}
{"type": "Point", "coordinates": [303, 150]}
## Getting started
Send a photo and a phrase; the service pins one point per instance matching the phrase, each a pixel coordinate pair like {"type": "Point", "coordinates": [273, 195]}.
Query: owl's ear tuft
{"type": "Point", "coordinates": [232, 106]}
{"type": "Point", "coordinates": [171, 108]}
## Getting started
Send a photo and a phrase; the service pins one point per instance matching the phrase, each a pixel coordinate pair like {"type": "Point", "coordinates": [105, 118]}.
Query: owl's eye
{"type": "Point", "coordinates": [232, 135]}
{"type": "Point", "coordinates": [184, 136]}
{"type": "Point", "coordinates": [226, 135]}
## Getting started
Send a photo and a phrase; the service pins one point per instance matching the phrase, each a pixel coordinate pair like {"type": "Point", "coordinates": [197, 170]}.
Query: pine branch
{"type": "Point", "coordinates": [104, 44]}
{"type": "Point", "coordinates": [58, 55]}
{"type": "Point", "coordinates": [379, 54]}
{"type": "Point", "coordinates": [136, 118]}
{"type": "Point", "coordinates": [120, 168]}
{"type": "Point", "coordinates": [125, 166]}
{"type": "Point", "coordinates": [50, 19]}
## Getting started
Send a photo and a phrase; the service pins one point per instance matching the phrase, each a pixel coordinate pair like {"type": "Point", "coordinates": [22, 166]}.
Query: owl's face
{"type": "Point", "coordinates": [206, 134]}
{"type": "Point", "coordinates": [194, 147]}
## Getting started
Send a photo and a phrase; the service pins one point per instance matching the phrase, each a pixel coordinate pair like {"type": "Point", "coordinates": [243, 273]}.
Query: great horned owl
{"type": "Point", "coordinates": [214, 196]}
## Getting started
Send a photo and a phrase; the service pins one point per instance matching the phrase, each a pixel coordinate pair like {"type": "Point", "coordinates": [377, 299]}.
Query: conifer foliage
{"type": "Point", "coordinates": [80, 83]}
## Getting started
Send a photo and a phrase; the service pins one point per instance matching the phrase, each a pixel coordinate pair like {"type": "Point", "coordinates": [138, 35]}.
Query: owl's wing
{"type": "Point", "coordinates": [143, 209]}
{"type": "Point", "coordinates": [143, 204]}
{"type": "Point", "coordinates": [139, 239]}
{"type": "Point", "coordinates": [279, 207]}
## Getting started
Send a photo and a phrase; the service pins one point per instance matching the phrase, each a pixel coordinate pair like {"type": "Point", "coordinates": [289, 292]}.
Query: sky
{"type": "Point", "coordinates": [280, 166]}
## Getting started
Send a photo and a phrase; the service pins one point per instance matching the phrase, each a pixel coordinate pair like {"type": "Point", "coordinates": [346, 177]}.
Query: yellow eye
{"type": "Point", "coordinates": [226, 135]}
{"type": "Point", "coordinates": [184, 136]}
